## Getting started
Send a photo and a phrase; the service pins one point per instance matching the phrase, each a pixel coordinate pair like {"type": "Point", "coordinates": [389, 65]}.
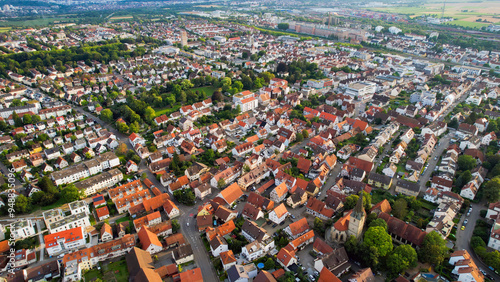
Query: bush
{"type": "Point", "coordinates": [483, 213]}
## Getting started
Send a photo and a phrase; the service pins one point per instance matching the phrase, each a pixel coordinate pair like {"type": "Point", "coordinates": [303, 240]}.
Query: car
{"type": "Point", "coordinates": [462, 228]}
{"type": "Point", "coordinates": [293, 216]}
{"type": "Point", "coordinates": [316, 273]}
{"type": "Point", "coordinates": [470, 209]}
{"type": "Point", "coordinates": [465, 222]}
{"type": "Point", "coordinates": [281, 223]}
{"type": "Point", "coordinates": [187, 223]}
{"type": "Point", "coordinates": [274, 225]}
{"type": "Point", "coordinates": [312, 278]}
{"type": "Point", "coordinates": [483, 272]}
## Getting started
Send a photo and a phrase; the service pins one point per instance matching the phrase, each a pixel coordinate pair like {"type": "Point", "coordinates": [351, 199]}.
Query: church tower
{"type": "Point", "coordinates": [357, 220]}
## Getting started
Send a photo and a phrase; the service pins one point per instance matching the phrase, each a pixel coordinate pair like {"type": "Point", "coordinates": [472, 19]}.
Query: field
{"type": "Point", "coordinates": [4, 29]}
{"type": "Point", "coordinates": [37, 22]}
{"type": "Point", "coordinates": [121, 18]}
{"type": "Point", "coordinates": [464, 12]}
{"type": "Point", "coordinates": [111, 272]}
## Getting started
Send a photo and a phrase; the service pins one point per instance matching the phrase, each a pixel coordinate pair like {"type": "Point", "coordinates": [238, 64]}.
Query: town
{"type": "Point", "coordinates": [194, 148]}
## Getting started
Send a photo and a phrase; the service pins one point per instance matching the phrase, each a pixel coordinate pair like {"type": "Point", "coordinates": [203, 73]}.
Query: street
{"type": "Point", "coordinates": [433, 160]}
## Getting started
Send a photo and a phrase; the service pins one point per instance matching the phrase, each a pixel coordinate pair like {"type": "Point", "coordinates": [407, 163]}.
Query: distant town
{"type": "Point", "coordinates": [219, 144]}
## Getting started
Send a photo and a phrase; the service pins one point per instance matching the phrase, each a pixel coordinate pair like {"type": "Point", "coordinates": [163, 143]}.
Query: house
{"type": "Point", "coordinates": [149, 241]}
{"type": "Point", "coordinates": [286, 258]}
{"type": "Point", "coordinates": [231, 193]}
{"type": "Point", "coordinates": [252, 212]}
{"type": "Point", "coordinates": [337, 262]}
{"type": "Point", "coordinates": [279, 214]}
{"type": "Point", "coordinates": [278, 194]}
{"type": "Point", "coordinates": [297, 228]}
{"type": "Point", "coordinates": [218, 245]}
{"type": "Point", "coordinates": [106, 233]}
{"type": "Point", "coordinates": [135, 139]}
{"type": "Point", "coordinates": [183, 254]}
{"type": "Point", "coordinates": [70, 239]}
{"type": "Point", "coordinates": [379, 180]}
{"type": "Point", "coordinates": [228, 259]}
{"type": "Point", "coordinates": [242, 273]}
{"type": "Point", "coordinates": [407, 188]}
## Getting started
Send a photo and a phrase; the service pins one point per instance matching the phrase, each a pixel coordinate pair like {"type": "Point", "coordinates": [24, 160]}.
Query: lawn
{"type": "Point", "coordinates": [166, 111]}
{"type": "Point", "coordinates": [467, 24]}
{"type": "Point", "coordinates": [57, 204]}
{"type": "Point", "coordinates": [111, 272]}
{"type": "Point", "coordinates": [4, 29]}
{"type": "Point", "coordinates": [209, 90]}
{"type": "Point", "coordinates": [122, 219]}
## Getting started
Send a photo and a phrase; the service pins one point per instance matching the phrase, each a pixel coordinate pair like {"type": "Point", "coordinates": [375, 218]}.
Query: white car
{"type": "Point", "coordinates": [187, 223]}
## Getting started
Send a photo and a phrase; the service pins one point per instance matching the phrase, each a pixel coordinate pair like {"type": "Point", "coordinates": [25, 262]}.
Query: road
{"type": "Point", "coordinates": [192, 235]}
{"type": "Point", "coordinates": [463, 237]}
{"type": "Point", "coordinates": [40, 238]}
{"type": "Point", "coordinates": [444, 143]}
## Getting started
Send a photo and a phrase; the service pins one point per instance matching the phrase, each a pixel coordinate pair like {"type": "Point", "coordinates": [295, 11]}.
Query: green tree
{"type": "Point", "coordinates": [305, 133]}
{"type": "Point", "coordinates": [466, 162]}
{"type": "Point", "coordinates": [403, 257]}
{"type": "Point", "coordinates": [107, 115]}
{"type": "Point", "coordinates": [47, 185]}
{"type": "Point", "coordinates": [71, 194]}
{"type": "Point", "coordinates": [433, 249]}
{"type": "Point", "coordinates": [283, 26]}
{"type": "Point", "coordinates": [149, 114]}
{"type": "Point", "coordinates": [23, 204]}
{"type": "Point", "coordinates": [221, 183]}
{"type": "Point", "coordinates": [350, 202]}
{"type": "Point", "coordinates": [378, 222]}
{"type": "Point", "coordinates": [134, 127]}
{"type": "Point", "coordinates": [175, 226]}
{"type": "Point", "coordinates": [27, 119]}
{"type": "Point", "coordinates": [269, 264]}
{"type": "Point", "coordinates": [492, 126]}
{"type": "Point", "coordinates": [491, 190]}
{"type": "Point", "coordinates": [400, 208]}
{"type": "Point", "coordinates": [379, 238]}
{"type": "Point", "coordinates": [299, 138]}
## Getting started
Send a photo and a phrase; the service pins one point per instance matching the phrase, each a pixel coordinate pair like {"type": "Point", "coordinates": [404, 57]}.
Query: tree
{"type": "Point", "coordinates": [491, 190]}
{"type": "Point", "coordinates": [144, 175]}
{"type": "Point", "coordinates": [492, 126]}
{"type": "Point", "coordinates": [27, 119]}
{"type": "Point", "coordinates": [175, 226]}
{"type": "Point", "coordinates": [283, 26]}
{"type": "Point", "coordinates": [379, 238]}
{"type": "Point", "coordinates": [107, 115]}
{"type": "Point", "coordinates": [433, 249]}
{"type": "Point", "coordinates": [305, 133]}
{"type": "Point", "coordinates": [47, 185]}
{"type": "Point", "coordinates": [453, 123]}
{"type": "Point", "coordinates": [134, 127]}
{"type": "Point", "coordinates": [221, 183]}
{"type": "Point", "coordinates": [350, 202]}
{"type": "Point", "coordinates": [378, 222]}
{"type": "Point", "coordinates": [122, 149]}
{"type": "Point", "coordinates": [403, 257]}
{"type": "Point", "coordinates": [400, 208]}
{"type": "Point", "coordinates": [269, 264]}
{"type": "Point", "coordinates": [299, 138]}
{"type": "Point", "coordinates": [246, 168]}
{"type": "Point", "coordinates": [466, 162]}
{"type": "Point", "coordinates": [71, 193]}
{"type": "Point", "coordinates": [149, 114]}
{"type": "Point", "coordinates": [217, 96]}
{"type": "Point", "coordinates": [23, 204]}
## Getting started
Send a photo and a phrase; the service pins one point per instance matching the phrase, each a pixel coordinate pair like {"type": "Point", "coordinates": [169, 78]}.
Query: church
{"type": "Point", "coordinates": [350, 224]}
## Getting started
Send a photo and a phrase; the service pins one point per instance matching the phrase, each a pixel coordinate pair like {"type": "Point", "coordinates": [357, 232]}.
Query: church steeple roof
{"type": "Point", "coordinates": [359, 210]}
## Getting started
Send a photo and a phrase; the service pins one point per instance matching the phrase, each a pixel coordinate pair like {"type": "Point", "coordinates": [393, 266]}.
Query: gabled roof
{"type": "Point", "coordinates": [231, 193]}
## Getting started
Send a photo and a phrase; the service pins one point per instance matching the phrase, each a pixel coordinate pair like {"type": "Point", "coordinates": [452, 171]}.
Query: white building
{"type": "Point", "coordinates": [64, 241]}
{"type": "Point", "coordinates": [23, 228]}
{"type": "Point", "coordinates": [361, 90]}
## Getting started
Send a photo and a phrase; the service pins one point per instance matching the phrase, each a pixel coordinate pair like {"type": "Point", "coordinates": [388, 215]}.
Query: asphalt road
{"type": "Point", "coordinates": [464, 236]}
{"type": "Point", "coordinates": [444, 143]}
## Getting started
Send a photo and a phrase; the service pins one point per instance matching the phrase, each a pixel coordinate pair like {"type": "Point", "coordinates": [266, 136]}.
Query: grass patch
{"type": "Point", "coordinates": [109, 271]}
{"type": "Point", "coordinates": [57, 204]}
{"type": "Point", "coordinates": [5, 29]}
{"type": "Point", "coordinates": [209, 90]}
{"type": "Point", "coordinates": [122, 219]}
{"type": "Point", "coordinates": [166, 111]}
{"type": "Point", "coordinates": [121, 18]}
{"type": "Point", "coordinates": [467, 24]}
